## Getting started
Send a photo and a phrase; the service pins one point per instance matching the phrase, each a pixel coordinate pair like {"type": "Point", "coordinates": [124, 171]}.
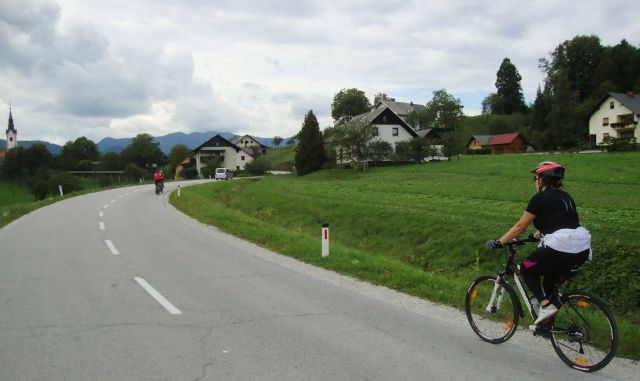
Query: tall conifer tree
{"type": "Point", "coordinates": [310, 155]}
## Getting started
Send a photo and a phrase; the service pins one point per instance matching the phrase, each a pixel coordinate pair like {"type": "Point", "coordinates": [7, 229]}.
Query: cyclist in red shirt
{"type": "Point", "coordinates": [158, 177]}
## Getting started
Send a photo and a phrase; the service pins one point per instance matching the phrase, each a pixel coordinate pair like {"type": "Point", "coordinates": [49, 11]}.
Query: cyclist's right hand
{"type": "Point", "coordinates": [494, 244]}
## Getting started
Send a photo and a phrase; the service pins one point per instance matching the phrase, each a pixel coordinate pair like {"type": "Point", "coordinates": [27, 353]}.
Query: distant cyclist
{"type": "Point", "coordinates": [158, 181]}
{"type": "Point", "coordinates": [565, 244]}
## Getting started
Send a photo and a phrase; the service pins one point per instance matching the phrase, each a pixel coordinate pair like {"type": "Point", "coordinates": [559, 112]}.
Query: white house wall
{"type": "Point", "coordinates": [595, 122]}
{"type": "Point", "coordinates": [385, 133]}
{"type": "Point", "coordinates": [242, 159]}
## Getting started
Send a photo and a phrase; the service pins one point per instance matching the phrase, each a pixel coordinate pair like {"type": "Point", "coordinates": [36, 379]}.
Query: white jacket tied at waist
{"type": "Point", "coordinates": [569, 240]}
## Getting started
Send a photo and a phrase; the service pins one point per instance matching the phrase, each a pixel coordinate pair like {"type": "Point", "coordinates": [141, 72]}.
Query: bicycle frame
{"type": "Point", "coordinates": [511, 269]}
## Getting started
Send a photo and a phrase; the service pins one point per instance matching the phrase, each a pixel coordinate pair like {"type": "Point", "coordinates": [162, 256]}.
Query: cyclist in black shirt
{"type": "Point", "coordinates": [564, 243]}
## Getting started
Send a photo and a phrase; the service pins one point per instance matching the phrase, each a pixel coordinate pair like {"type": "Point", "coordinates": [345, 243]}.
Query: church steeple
{"type": "Point", "coordinates": [12, 133]}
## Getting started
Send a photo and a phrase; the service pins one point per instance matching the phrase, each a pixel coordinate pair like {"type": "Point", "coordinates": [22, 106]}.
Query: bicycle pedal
{"type": "Point", "coordinates": [541, 330]}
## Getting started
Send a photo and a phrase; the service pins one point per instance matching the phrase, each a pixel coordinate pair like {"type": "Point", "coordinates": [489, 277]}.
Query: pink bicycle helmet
{"type": "Point", "coordinates": [549, 169]}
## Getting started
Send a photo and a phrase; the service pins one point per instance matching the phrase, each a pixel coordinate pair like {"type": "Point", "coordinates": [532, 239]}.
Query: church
{"type": "Point", "coordinates": [12, 136]}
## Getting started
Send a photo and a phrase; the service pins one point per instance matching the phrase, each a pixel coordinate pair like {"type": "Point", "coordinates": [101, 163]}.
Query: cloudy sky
{"type": "Point", "coordinates": [116, 68]}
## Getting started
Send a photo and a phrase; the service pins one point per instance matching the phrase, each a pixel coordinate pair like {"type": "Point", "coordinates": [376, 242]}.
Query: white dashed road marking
{"type": "Point", "coordinates": [158, 297]}
{"type": "Point", "coordinates": [111, 246]}
{"type": "Point", "coordinates": [101, 225]}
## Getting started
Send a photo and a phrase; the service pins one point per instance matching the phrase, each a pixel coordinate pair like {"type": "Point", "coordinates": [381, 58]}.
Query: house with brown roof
{"type": "Point", "coordinates": [231, 156]}
{"type": "Point", "coordinates": [479, 142]}
{"type": "Point", "coordinates": [507, 143]}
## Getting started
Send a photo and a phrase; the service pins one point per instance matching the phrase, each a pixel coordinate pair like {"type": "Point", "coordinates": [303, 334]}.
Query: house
{"type": "Point", "coordinates": [507, 143]}
{"type": "Point", "coordinates": [479, 142]}
{"type": "Point", "coordinates": [615, 116]}
{"type": "Point", "coordinates": [389, 121]}
{"type": "Point", "coordinates": [232, 156]}
{"type": "Point", "coordinates": [246, 142]}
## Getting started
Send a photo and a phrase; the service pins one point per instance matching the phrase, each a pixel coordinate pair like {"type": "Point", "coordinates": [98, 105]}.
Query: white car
{"type": "Point", "coordinates": [223, 174]}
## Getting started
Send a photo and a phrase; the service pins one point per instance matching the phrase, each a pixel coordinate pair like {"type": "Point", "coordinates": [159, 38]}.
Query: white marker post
{"type": "Point", "coordinates": [178, 190]}
{"type": "Point", "coordinates": [325, 240]}
{"type": "Point", "coordinates": [60, 189]}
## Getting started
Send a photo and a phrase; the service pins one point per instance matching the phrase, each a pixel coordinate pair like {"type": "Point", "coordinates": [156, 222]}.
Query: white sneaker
{"type": "Point", "coordinates": [545, 313]}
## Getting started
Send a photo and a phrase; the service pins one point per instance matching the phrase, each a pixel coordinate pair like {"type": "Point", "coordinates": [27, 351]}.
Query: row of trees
{"type": "Point", "coordinates": [43, 171]}
{"type": "Point", "coordinates": [578, 75]}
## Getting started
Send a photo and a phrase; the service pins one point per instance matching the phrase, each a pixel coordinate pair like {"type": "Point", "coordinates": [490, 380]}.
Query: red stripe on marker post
{"type": "Point", "coordinates": [325, 240]}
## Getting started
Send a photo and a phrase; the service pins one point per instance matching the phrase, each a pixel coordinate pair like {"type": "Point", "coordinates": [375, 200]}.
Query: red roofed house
{"type": "Point", "coordinates": [507, 143]}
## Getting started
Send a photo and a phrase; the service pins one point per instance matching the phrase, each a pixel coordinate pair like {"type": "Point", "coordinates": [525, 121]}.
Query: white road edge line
{"type": "Point", "coordinates": [112, 201]}
{"type": "Point", "coordinates": [101, 225]}
{"type": "Point", "coordinates": [111, 246]}
{"type": "Point", "coordinates": [158, 297]}
{"type": "Point", "coordinates": [101, 213]}
{"type": "Point", "coordinates": [105, 207]}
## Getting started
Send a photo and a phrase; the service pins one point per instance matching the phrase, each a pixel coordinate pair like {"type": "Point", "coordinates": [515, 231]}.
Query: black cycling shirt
{"type": "Point", "coordinates": [554, 209]}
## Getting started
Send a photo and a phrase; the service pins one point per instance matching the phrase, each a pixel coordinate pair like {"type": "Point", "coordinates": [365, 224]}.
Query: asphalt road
{"type": "Point", "coordinates": [118, 285]}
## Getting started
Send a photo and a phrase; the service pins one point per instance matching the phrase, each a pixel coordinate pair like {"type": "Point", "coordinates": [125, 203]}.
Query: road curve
{"type": "Point", "coordinates": [118, 285]}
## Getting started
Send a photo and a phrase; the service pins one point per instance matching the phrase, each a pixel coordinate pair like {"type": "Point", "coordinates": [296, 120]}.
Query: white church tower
{"type": "Point", "coordinates": [12, 133]}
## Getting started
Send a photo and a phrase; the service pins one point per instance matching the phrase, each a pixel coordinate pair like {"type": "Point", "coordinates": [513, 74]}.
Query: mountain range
{"type": "Point", "coordinates": [191, 140]}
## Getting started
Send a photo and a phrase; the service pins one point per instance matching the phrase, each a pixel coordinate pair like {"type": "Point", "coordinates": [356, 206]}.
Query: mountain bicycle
{"type": "Point", "coordinates": [583, 333]}
{"type": "Point", "coordinates": [159, 187]}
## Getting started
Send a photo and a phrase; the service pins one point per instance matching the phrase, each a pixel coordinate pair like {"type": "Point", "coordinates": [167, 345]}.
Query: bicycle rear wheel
{"type": "Point", "coordinates": [492, 316]}
{"type": "Point", "coordinates": [584, 333]}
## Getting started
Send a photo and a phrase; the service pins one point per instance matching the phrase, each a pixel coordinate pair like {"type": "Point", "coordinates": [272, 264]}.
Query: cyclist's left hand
{"type": "Point", "coordinates": [494, 244]}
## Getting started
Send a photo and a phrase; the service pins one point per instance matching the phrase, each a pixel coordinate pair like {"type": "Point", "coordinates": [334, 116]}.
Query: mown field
{"type": "Point", "coordinates": [421, 228]}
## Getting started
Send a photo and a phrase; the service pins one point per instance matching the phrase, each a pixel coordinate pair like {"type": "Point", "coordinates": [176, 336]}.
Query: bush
{"type": "Point", "coordinates": [133, 173]}
{"type": "Point", "coordinates": [190, 173]}
{"type": "Point", "coordinates": [208, 171]}
{"type": "Point", "coordinates": [46, 183]}
{"type": "Point", "coordinates": [258, 167]}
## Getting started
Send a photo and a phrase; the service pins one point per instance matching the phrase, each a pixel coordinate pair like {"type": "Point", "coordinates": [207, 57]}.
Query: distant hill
{"type": "Point", "coordinates": [53, 148]}
{"type": "Point", "coordinates": [191, 140]}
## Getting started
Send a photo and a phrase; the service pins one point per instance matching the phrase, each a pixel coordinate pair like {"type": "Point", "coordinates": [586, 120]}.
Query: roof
{"type": "Point", "coordinates": [504, 138]}
{"type": "Point", "coordinates": [402, 109]}
{"type": "Point", "coordinates": [628, 100]}
{"type": "Point", "coordinates": [483, 140]}
{"type": "Point", "coordinates": [217, 141]}
{"type": "Point", "coordinates": [430, 132]}
{"type": "Point", "coordinates": [236, 139]}
{"type": "Point", "coordinates": [371, 116]}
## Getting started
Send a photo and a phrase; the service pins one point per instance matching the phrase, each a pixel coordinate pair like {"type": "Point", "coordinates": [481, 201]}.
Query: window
{"type": "Point", "coordinates": [605, 135]}
{"type": "Point", "coordinates": [242, 158]}
{"type": "Point", "coordinates": [10, 138]}
{"type": "Point", "coordinates": [374, 131]}
{"type": "Point", "coordinates": [395, 131]}
{"type": "Point", "coordinates": [384, 119]}
{"type": "Point", "coordinates": [605, 121]}
{"type": "Point", "coordinates": [611, 105]}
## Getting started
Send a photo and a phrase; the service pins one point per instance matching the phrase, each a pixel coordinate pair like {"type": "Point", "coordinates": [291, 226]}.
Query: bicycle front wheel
{"type": "Point", "coordinates": [584, 333]}
{"type": "Point", "coordinates": [492, 309]}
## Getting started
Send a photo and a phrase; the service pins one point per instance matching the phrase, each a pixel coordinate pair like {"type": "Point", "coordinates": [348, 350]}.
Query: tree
{"type": "Point", "coordinates": [14, 163]}
{"type": "Point", "coordinates": [258, 167]}
{"type": "Point", "coordinates": [310, 155]}
{"type": "Point", "coordinates": [492, 104]}
{"type": "Point", "coordinates": [444, 110]}
{"type": "Point", "coordinates": [143, 151]}
{"type": "Point", "coordinates": [277, 140]}
{"type": "Point", "coordinates": [380, 97]}
{"type": "Point", "coordinates": [509, 89]}
{"type": "Point", "coordinates": [348, 103]}
{"type": "Point", "coordinates": [351, 139]}
{"type": "Point", "coordinates": [178, 153]}
{"type": "Point", "coordinates": [78, 150]}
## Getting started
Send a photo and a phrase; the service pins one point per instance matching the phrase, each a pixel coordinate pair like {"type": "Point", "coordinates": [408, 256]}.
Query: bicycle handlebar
{"type": "Point", "coordinates": [520, 241]}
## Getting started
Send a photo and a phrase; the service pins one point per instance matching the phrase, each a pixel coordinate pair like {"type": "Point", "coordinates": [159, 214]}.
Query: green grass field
{"type": "Point", "coordinates": [421, 229]}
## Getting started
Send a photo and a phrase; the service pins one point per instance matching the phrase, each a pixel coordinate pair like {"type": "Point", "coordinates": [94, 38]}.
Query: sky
{"type": "Point", "coordinates": [117, 68]}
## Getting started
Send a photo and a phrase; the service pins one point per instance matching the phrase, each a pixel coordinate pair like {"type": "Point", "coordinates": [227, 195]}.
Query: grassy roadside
{"type": "Point", "coordinates": [16, 200]}
{"type": "Point", "coordinates": [421, 229]}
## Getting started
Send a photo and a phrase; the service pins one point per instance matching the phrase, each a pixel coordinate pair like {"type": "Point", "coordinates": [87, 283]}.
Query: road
{"type": "Point", "coordinates": [118, 285]}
